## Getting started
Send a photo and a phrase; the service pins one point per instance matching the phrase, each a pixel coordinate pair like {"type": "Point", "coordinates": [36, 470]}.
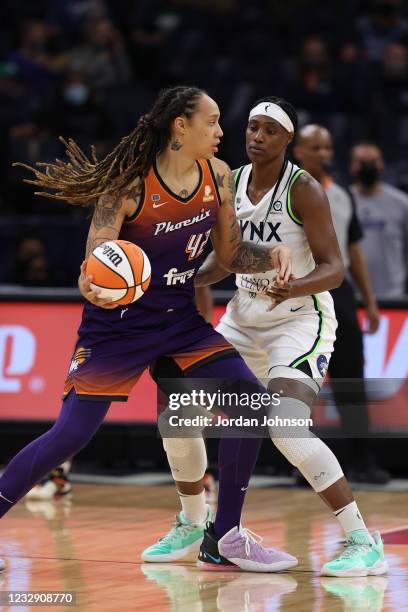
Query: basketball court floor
{"type": "Point", "coordinates": [90, 545]}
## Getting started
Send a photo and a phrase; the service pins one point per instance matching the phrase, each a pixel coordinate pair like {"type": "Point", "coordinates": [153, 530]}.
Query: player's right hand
{"type": "Point", "coordinates": [84, 284]}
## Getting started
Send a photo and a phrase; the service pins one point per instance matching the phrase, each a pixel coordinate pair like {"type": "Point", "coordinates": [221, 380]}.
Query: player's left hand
{"type": "Point", "coordinates": [282, 262]}
{"type": "Point", "coordinates": [280, 291]}
{"type": "Point", "coordinates": [373, 318]}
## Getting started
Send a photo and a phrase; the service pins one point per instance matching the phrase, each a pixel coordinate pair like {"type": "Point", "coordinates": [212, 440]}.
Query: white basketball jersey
{"type": "Point", "coordinates": [269, 223]}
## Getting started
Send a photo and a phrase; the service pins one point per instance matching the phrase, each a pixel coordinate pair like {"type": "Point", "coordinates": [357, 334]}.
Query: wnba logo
{"type": "Point", "coordinates": [17, 355]}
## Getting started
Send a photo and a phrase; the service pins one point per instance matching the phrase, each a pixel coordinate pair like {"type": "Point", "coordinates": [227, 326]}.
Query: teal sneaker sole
{"type": "Point", "coordinates": [380, 567]}
{"type": "Point", "coordinates": [175, 555]}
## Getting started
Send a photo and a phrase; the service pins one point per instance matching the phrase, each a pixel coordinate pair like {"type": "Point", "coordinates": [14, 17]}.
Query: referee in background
{"type": "Point", "coordinates": [314, 151]}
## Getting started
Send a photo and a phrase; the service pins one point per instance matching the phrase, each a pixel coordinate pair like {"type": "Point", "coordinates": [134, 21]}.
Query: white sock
{"type": "Point", "coordinates": [350, 519]}
{"type": "Point", "coordinates": [194, 507]}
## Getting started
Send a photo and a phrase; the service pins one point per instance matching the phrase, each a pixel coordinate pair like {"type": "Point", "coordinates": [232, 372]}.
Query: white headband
{"type": "Point", "coordinates": [272, 110]}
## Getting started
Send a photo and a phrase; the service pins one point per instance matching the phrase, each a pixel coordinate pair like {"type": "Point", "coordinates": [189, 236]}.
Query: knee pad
{"type": "Point", "coordinates": [176, 428]}
{"type": "Point", "coordinates": [321, 468]}
{"type": "Point", "coordinates": [187, 458]}
{"type": "Point", "coordinates": [303, 449]}
{"type": "Point", "coordinates": [289, 419]}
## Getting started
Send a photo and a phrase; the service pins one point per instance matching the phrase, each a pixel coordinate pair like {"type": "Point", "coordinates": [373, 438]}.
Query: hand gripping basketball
{"type": "Point", "coordinates": [117, 272]}
{"type": "Point", "coordinates": [84, 284]}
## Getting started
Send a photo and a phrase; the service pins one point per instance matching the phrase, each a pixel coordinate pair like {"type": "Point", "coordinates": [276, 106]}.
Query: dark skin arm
{"type": "Point", "coordinates": [359, 272]}
{"type": "Point", "coordinates": [233, 254]}
{"type": "Point", "coordinates": [310, 205]}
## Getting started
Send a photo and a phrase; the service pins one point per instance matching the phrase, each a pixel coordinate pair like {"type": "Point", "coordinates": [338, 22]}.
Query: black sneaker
{"type": "Point", "coordinates": [209, 557]}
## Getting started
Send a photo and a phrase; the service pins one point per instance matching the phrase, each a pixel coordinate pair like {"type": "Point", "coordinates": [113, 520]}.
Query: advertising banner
{"type": "Point", "coordinates": [37, 340]}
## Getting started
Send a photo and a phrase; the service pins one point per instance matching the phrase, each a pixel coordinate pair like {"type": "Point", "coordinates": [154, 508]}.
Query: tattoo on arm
{"type": "Point", "coordinates": [220, 179]}
{"type": "Point", "coordinates": [104, 217]}
{"type": "Point", "coordinates": [106, 211]}
{"type": "Point", "coordinates": [93, 242]}
{"type": "Point", "coordinates": [132, 193]}
{"type": "Point", "coordinates": [234, 231]}
{"type": "Point", "coordinates": [252, 258]}
{"type": "Point", "coordinates": [248, 257]}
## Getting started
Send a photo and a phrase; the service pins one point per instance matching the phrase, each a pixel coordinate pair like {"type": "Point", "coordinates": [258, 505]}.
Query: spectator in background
{"type": "Point", "coordinates": [151, 22]}
{"type": "Point", "coordinates": [25, 134]}
{"type": "Point", "coordinates": [350, 80]}
{"type": "Point", "coordinates": [68, 18]}
{"type": "Point", "coordinates": [15, 110]}
{"type": "Point", "coordinates": [393, 85]}
{"type": "Point", "coordinates": [101, 57]}
{"type": "Point", "coordinates": [313, 92]}
{"type": "Point", "coordinates": [32, 268]}
{"type": "Point", "coordinates": [392, 98]}
{"type": "Point", "coordinates": [383, 212]}
{"type": "Point", "coordinates": [314, 150]}
{"type": "Point", "coordinates": [79, 114]}
{"type": "Point", "coordinates": [35, 64]}
{"type": "Point", "coordinates": [374, 33]}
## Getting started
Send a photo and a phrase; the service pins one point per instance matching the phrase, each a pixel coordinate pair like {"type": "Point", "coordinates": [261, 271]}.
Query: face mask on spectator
{"type": "Point", "coordinates": [368, 174]}
{"type": "Point", "coordinates": [76, 94]}
{"type": "Point", "coordinates": [329, 166]}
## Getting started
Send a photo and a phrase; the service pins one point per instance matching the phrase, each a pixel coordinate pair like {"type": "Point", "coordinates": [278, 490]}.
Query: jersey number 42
{"type": "Point", "coordinates": [196, 244]}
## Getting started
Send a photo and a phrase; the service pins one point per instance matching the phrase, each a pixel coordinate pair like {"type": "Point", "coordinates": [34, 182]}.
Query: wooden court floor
{"type": "Point", "coordinates": [91, 545]}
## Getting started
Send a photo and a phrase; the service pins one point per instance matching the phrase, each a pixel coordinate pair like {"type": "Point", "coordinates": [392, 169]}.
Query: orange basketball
{"type": "Point", "coordinates": [120, 269]}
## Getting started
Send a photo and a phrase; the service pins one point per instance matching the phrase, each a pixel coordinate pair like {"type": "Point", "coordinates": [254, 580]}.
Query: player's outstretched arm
{"type": "Point", "coordinates": [109, 214]}
{"type": "Point", "coordinates": [232, 253]}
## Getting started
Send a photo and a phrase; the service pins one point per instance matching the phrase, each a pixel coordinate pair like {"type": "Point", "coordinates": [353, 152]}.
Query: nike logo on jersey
{"type": "Point", "coordinates": [296, 309]}
{"type": "Point", "coordinates": [250, 230]}
{"type": "Point", "coordinates": [122, 312]}
{"type": "Point", "coordinates": [156, 205]}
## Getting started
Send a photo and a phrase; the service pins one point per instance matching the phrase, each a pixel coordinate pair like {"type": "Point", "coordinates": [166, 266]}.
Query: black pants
{"type": "Point", "coordinates": [347, 362]}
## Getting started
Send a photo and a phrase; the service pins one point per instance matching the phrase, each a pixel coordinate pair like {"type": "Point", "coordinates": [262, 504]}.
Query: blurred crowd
{"type": "Point", "coordinates": [88, 68]}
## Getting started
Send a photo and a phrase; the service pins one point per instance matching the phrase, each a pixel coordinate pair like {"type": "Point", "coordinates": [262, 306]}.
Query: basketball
{"type": "Point", "coordinates": [120, 269]}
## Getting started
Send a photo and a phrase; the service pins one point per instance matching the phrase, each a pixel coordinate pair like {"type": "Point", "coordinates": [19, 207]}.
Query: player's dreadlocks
{"type": "Point", "coordinates": [82, 180]}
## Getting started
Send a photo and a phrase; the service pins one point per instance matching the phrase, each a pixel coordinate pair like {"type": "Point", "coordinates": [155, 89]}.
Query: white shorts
{"type": "Point", "coordinates": [299, 334]}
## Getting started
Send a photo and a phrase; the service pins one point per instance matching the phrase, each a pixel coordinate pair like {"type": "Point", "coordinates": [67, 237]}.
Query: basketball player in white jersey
{"type": "Point", "coordinates": [290, 344]}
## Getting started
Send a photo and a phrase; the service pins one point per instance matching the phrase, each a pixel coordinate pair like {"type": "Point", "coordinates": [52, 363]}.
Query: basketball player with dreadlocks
{"type": "Point", "coordinates": [164, 170]}
{"type": "Point", "coordinates": [291, 343]}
